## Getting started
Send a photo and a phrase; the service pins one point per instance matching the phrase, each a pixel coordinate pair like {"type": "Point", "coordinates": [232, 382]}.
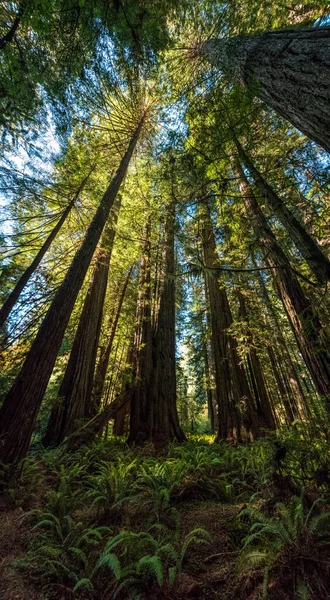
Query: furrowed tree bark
{"type": "Point", "coordinates": [20, 407]}
{"type": "Point", "coordinates": [10, 302]}
{"type": "Point", "coordinates": [102, 365]}
{"type": "Point", "coordinates": [154, 414]}
{"type": "Point", "coordinates": [74, 405]}
{"type": "Point", "coordinates": [165, 426]}
{"type": "Point", "coordinates": [304, 242]}
{"type": "Point", "coordinates": [143, 346]}
{"type": "Point", "coordinates": [288, 70]}
{"type": "Point", "coordinates": [121, 421]}
{"type": "Point", "coordinates": [312, 339]}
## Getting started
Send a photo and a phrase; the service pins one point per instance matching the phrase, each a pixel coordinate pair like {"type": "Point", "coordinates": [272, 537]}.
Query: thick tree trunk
{"type": "Point", "coordinates": [312, 340]}
{"type": "Point", "coordinates": [74, 404]}
{"type": "Point", "coordinates": [19, 410]}
{"type": "Point", "coordinates": [289, 70]}
{"type": "Point", "coordinates": [232, 389]}
{"type": "Point", "coordinates": [307, 246]}
{"type": "Point", "coordinates": [143, 347]}
{"type": "Point", "coordinates": [10, 302]}
{"type": "Point", "coordinates": [153, 407]}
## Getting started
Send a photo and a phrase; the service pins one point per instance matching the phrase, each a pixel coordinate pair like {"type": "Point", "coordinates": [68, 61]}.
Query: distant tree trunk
{"type": "Point", "coordinates": [307, 246]}
{"type": "Point", "coordinates": [121, 422]}
{"type": "Point", "coordinates": [88, 432]}
{"type": "Point", "coordinates": [10, 302]}
{"type": "Point", "coordinates": [232, 388]}
{"type": "Point", "coordinates": [164, 425]}
{"type": "Point", "coordinates": [282, 386]}
{"type": "Point", "coordinates": [102, 365]}
{"type": "Point", "coordinates": [143, 345]}
{"type": "Point", "coordinates": [19, 410]}
{"type": "Point", "coordinates": [262, 398]}
{"type": "Point", "coordinates": [74, 404]}
{"type": "Point", "coordinates": [289, 70]}
{"type": "Point", "coordinates": [295, 392]}
{"type": "Point", "coordinates": [311, 338]}
{"type": "Point", "coordinates": [210, 408]}
{"type": "Point", "coordinates": [153, 407]}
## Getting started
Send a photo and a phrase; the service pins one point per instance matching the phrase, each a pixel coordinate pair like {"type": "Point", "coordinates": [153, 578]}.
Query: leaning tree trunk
{"type": "Point", "coordinates": [289, 70]}
{"type": "Point", "coordinates": [10, 302]}
{"type": "Point", "coordinates": [102, 365]}
{"type": "Point", "coordinates": [312, 339]}
{"type": "Point", "coordinates": [304, 242]}
{"type": "Point", "coordinates": [9, 36]}
{"type": "Point", "coordinates": [20, 407]}
{"type": "Point", "coordinates": [75, 393]}
{"type": "Point", "coordinates": [295, 392]}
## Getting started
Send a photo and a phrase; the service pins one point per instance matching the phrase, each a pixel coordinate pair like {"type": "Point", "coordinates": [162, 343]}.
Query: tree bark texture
{"type": "Point", "coordinates": [88, 432]}
{"type": "Point", "coordinates": [288, 70]}
{"type": "Point", "coordinates": [154, 414]}
{"type": "Point", "coordinates": [19, 410]}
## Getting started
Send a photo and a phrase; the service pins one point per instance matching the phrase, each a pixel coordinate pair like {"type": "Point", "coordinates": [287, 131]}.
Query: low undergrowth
{"type": "Point", "coordinates": [110, 521]}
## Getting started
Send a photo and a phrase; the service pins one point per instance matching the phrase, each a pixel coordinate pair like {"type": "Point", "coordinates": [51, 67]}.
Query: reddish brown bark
{"type": "Point", "coordinates": [289, 70]}
{"type": "Point", "coordinates": [20, 407]}
{"type": "Point", "coordinates": [235, 406]}
{"type": "Point", "coordinates": [74, 404]}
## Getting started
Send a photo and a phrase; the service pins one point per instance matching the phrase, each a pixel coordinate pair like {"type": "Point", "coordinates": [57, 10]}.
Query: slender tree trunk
{"type": "Point", "coordinates": [289, 70]}
{"type": "Point", "coordinates": [263, 400]}
{"type": "Point", "coordinates": [74, 404]}
{"type": "Point", "coordinates": [295, 391]}
{"type": "Point", "coordinates": [121, 422]}
{"type": "Point", "coordinates": [210, 409]}
{"type": "Point", "coordinates": [8, 38]}
{"type": "Point", "coordinates": [307, 246]}
{"type": "Point", "coordinates": [10, 302]}
{"type": "Point", "coordinates": [311, 338]}
{"type": "Point", "coordinates": [19, 410]}
{"type": "Point", "coordinates": [102, 365]}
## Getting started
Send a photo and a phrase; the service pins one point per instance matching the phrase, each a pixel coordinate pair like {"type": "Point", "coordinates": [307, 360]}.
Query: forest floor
{"type": "Point", "coordinates": [203, 521]}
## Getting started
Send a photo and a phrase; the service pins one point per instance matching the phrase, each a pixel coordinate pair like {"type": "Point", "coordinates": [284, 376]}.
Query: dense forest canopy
{"type": "Point", "coordinates": [164, 298]}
